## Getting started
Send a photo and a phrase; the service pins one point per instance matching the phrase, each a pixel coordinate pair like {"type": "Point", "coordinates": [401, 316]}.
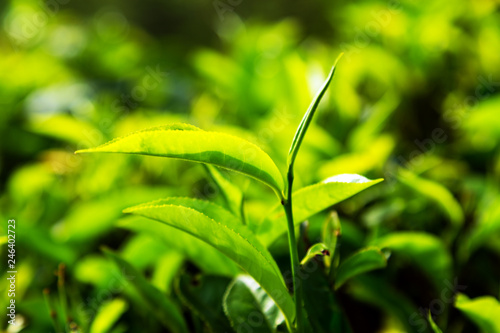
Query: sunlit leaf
{"type": "Point", "coordinates": [360, 262]}
{"type": "Point", "coordinates": [483, 311]}
{"type": "Point", "coordinates": [231, 238]}
{"type": "Point", "coordinates": [190, 143]}
{"type": "Point", "coordinates": [306, 120]}
{"type": "Point", "coordinates": [313, 199]}
{"type": "Point", "coordinates": [165, 310]}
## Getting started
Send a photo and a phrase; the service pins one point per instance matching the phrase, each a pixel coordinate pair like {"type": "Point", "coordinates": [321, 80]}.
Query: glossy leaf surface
{"type": "Point", "coordinates": [232, 239]}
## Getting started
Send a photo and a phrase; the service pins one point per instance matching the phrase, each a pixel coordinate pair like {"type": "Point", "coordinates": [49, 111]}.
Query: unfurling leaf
{"type": "Point", "coordinates": [319, 249]}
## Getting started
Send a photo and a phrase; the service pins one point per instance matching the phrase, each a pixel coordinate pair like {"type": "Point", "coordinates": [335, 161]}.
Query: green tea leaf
{"type": "Point", "coordinates": [306, 121]}
{"type": "Point", "coordinates": [249, 307]}
{"type": "Point", "coordinates": [231, 238]}
{"type": "Point", "coordinates": [360, 262]}
{"type": "Point", "coordinates": [483, 311]}
{"type": "Point", "coordinates": [319, 249]}
{"type": "Point", "coordinates": [313, 199]}
{"type": "Point", "coordinates": [330, 234]}
{"type": "Point", "coordinates": [208, 208]}
{"type": "Point", "coordinates": [107, 316]}
{"type": "Point", "coordinates": [190, 143]}
{"type": "Point", "coordinates": [162, 307]}
{"type": "Point", "coordinates": [207, 258]}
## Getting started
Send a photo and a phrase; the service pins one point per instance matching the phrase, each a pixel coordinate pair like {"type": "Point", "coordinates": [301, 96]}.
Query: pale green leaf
{"type": "Point", "coordinates": [313, 199]}
{"type": "Point", "coordinates": [208, 208]}
{"type": "Point", "coordinates": [190, 143]}
{"type": "Point", "coordinates": [483, 311]}
{"type": "Point", "coordinates": [360, 262]}
{"type": "Point", "coordinates": [231, 238]}
{"type": "Point", "coordinates": [306, 120]}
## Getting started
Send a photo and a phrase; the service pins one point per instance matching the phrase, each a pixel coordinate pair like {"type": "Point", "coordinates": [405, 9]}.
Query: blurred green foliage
{"type": "Point", "coordinates": [414, 100]}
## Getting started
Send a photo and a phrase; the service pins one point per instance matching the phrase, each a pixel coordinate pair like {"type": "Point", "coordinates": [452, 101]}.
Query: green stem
{"type": "Point", "coordinates": [294, 254]}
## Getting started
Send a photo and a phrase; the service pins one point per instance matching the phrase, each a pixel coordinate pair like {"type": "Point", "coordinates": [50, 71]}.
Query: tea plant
{"type": "Point", "coordinates": [226, 231]}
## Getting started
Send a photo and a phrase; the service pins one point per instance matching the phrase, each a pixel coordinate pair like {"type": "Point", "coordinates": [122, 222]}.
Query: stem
{"type": "Point", "coordinates": [294, 254]}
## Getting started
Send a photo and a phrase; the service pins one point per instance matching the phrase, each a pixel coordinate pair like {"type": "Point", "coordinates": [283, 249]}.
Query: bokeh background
{"type": "Point", "coordinates": [414, 100]}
